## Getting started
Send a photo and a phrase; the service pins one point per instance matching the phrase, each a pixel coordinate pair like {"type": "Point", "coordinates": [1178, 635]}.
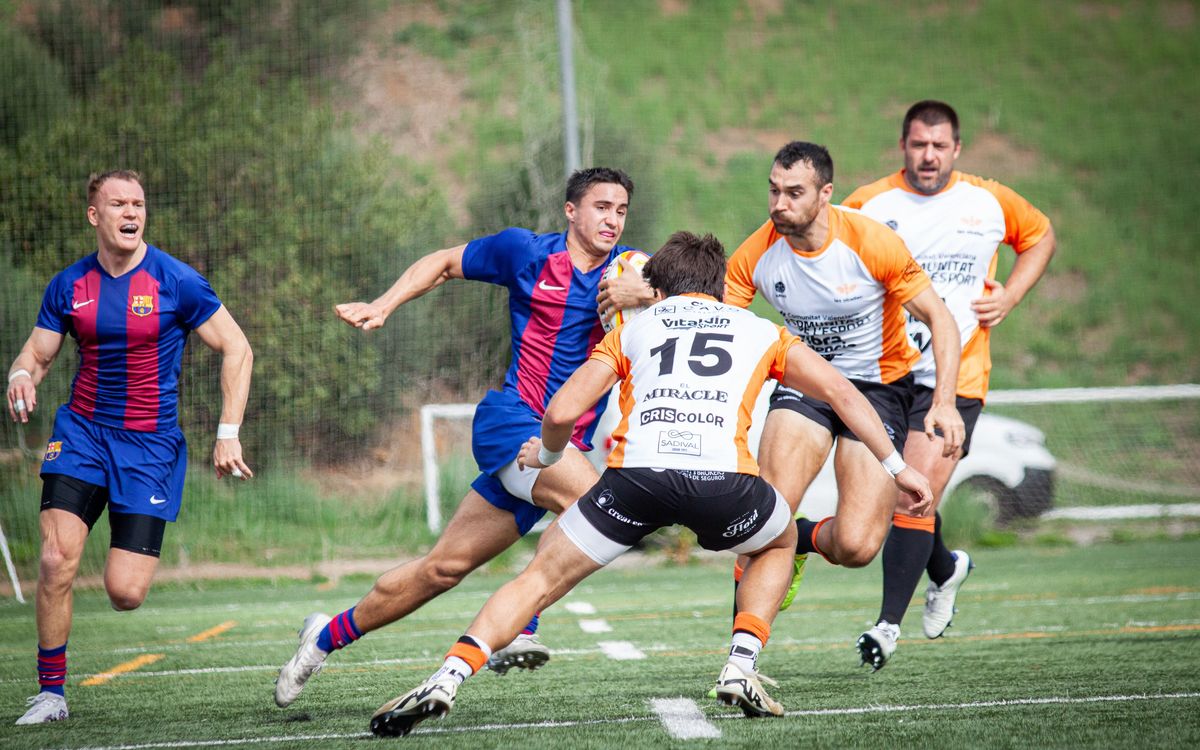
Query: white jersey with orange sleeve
{"type": "Point", "coordinates": [955, 235]}
{"type": "Point", "coordinates": [844, 300]}
{"type": "Point", "coordinates": [691, 369]}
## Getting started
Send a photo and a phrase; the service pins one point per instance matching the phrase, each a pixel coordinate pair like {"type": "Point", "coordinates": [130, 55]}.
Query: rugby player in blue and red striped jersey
{"type": "Point", "coordinates": [117, 443]}
{"type": "Point", "coordinates": [552, 283]}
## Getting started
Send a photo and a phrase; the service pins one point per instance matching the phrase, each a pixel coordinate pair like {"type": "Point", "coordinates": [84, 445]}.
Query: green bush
{"type": "Point", "coordinates": [35, 89]}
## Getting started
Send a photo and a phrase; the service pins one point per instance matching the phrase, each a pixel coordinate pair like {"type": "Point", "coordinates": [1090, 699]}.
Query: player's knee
{"type": "Point", "coordinates": [856, 550]}
{"type": "Point", "coordinates": [58, 566]}
{"type": "Point", "coordinates": [446, 573]}
{"type": "Point", "coordinates": [857, 558]}
{"type": "Point", "coordinates": [124, 599]}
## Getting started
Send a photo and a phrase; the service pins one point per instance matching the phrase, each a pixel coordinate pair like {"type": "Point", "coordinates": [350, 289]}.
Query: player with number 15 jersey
{"type": "Point", "coordinates": [694, 368]}
{"type": "Point", "coordinates": [690, 368]}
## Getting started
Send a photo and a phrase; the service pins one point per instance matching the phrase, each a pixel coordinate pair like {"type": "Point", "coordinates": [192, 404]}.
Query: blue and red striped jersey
{"type": "Point", "coordinates": [130, 331]}
{"type": "Point", "coordinates": [552, 309]}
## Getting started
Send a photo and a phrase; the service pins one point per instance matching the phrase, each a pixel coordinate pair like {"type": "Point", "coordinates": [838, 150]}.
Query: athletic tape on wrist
{"type": "Point", "coordinates": [894, 463]}
{"type": "Point", "coordinates": [549, 458]}
{"type": "Point", "coordinates": [226, 431]}
{"type": "Point", "coordinates": [18, 373]}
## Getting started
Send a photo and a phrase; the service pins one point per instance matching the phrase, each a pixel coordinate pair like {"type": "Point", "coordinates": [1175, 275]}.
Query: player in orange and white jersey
{"type": "Point", "coordinates": [953, 223]}
{"type": "Point", "coordinates": [842, 282]}
{"type": "Point", "coordinates": [690, 369]}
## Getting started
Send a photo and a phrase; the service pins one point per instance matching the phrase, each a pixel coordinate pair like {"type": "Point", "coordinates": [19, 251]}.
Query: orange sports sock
{"type": "Point", "coordinates": [912, 522]}
{"type": "Point", "coordinates": [817, 547]}
{"type": "Point", "coordinates": [468, 650]}
{"type": "Point", "coordinates": [752, 624]}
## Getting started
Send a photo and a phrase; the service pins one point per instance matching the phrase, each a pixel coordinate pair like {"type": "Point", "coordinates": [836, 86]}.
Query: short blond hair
{"type": "Point", "coordinates": [95, 181]}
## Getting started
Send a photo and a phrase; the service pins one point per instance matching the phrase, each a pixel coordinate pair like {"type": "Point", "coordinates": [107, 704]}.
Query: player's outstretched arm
{"type": "Point", "coordinates": [422, 277]}
{"type": "Point", "coordinates": [29, 369]}
{"type": "Point", "coordinates": [810, 374]}
{"type": "Point", "coordinates": [943, 414]}
{"type": "Point", "coordinates": [1000, 299]}
{"type": "Point", "coordinates": [582, 390]}
{"type": "Point", "coordinates": [223, 335]}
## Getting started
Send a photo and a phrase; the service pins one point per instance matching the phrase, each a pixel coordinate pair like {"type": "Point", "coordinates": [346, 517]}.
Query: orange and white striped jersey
{"type": "Point", "coordinates": [845, 300]}
{"type": "Point", "coordinates": [954, 235]}
{"type": "Point", "coordinates": [691, 369]}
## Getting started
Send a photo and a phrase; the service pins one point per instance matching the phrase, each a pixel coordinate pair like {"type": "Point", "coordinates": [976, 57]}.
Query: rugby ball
{"type": "Point", "coordinates": [615, 269]}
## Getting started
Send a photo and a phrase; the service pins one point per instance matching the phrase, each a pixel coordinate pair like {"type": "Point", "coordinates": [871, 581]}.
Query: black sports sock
{"type": "Point", "coordinates": [804, 541]}
{"type": "Point", "coordinates": [941, 562]}
{"type": "Point", "coordinates": [735, 609]}
{"type": "Point", "coordinates": [904, 554]}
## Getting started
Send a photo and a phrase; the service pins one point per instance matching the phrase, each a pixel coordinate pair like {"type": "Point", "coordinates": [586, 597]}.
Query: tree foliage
{"type": "Point", "coordinates": [251, 181]}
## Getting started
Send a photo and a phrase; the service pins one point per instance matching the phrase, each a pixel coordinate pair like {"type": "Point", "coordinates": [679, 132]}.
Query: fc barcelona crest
{"type": "Point", "coordinates": [53, 449]}
{"type": "Point", "coordinates": [142, 305]}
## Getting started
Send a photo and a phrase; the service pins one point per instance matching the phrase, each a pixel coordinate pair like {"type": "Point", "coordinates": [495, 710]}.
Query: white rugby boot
{"type": "Point", "coordinates": [431, 699]}
{"type": "Point", "coordinates": [939, 600]}
{"type": "Point", "coordinates": [525, 652]}
{"type": "Point", "coordinates": [44, 707]}
{"type": "Point", "coordinates": [878, 644]}
{"type": "Point", "coordinates": [305, 663]}
{"type": "Point", "coordinates": [736, 687]}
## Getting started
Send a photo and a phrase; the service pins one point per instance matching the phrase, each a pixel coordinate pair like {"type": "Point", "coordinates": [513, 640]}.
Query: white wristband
{"type": "Point", "coordinates": [549, 458]}
{"type": "Point", "coordinates": [18, 373]}
{"type": "Point", "coordinates": [226, 431]}
{"type": "Point", "coordinates": [894, 463]}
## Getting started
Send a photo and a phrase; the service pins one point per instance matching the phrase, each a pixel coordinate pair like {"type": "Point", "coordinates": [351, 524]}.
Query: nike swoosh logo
{"type": "Point", "coordinates": [77, 305]}
{"type": "Point", "coordinates": [155, 501]}
{"type": "Point", "coordinates": [547, 288]}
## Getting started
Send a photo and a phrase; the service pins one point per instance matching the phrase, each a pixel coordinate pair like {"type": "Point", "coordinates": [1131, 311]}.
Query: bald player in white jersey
{"type": "Point", "coordinates": [842, 283]}
{"type": "Point", "coordinates": [953, 223]}
{"type": "Point", "coordinates": [690, 369]}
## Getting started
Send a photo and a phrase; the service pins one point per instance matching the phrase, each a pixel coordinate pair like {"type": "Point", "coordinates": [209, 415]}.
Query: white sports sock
{"type": "Point", "coordinates": [453, 667]}
{"type": "Point", "coordinates": [744, 651]}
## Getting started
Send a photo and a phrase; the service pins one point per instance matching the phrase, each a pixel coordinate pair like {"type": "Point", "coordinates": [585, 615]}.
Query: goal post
{"type": "Point", "coordinates": [12, 571]}
{"type": "Point", "coordinates": [429, 464]}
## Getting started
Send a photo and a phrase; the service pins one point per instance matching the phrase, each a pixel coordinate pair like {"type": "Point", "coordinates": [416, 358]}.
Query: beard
{"type": "Point", "coordinates": [791, 228]}
{"type": "Point", "coordinates": [940, 180]}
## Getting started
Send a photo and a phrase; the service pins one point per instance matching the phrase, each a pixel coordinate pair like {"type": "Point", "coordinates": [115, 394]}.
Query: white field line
{"type": "Point", "coordinates": [850, 711]}
{"type": "Point", "coordinates": [683, 719]}
{"type": "Point", "coordinates": [1006, 703]}
{"type": "Point", "coordinates": [581, 608]}
{"type": "Point", "coordinates": [621, 650]}
{"type": "Point", "coordinates": [1121, 512]}
{"type": "Point", "coordinates": [595, 626]}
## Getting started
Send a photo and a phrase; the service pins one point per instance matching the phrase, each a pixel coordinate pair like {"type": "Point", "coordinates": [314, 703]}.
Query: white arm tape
{"type": "Point", "coordinates": [549, 458]}
{"type": "Point", "coordinates": [894, 463]}
{"type": "Point", "coordinates": [225, 431]}
{"type": "Point", "coordinates": [18, 373]}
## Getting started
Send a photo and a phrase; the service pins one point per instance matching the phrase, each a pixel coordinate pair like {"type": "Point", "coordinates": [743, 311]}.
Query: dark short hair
{"type": "Point", "coordinates": [688, 264]}
{"type": "Point", "coordinates": [581, 180]}
{"type": "Point", "coordinates": [95, 181]}
{"type": "Point", "coordinates": [931, 112]}
{"type": "Point", "coordinates": [811, 154]}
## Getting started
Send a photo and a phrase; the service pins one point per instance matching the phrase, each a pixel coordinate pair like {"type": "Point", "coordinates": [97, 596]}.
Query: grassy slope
{"type": "Point", "coordinates": [1088, 110]}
